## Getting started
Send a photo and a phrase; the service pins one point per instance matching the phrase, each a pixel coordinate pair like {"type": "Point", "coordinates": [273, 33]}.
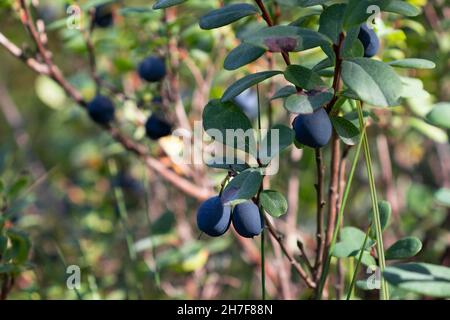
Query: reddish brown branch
{"type": "Point", "coordinates": [297, 266]}
{"type": "Point", "coordinates": [266, 16]}
{"type": "Point", "coordinates": [320, 236]}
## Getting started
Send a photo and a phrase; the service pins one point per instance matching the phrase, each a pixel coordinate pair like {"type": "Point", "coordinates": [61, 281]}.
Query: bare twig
{"type": "Point", "coordinates": [297, 266]}
{"type": "Point", "coordinates": [200, 193]}
{"type": "Point", "coordinates": [320, 236]}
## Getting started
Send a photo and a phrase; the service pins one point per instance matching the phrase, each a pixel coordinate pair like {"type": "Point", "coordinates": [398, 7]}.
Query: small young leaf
{"type": "Point", "coordinates": [226, 15]}
{"type": "Point", "coordinates": [244, 83]}
{"type": "Point", "coordinates": [274, 203]}
{"type": "Point", "coordinates": [351, 242]}
{"type": "Point", "coordinates": [303, 77]}
{"type": "Point", "coordinates": [422, 278]}
{"type": "Point", "coordinates": [413, 63]}
{"type": "Point", "coordinates": [404, 248]}
{"type": "Point", "coordinates": [346, 130]}
{"type": "Point", "coordinates": [243, 187]}
{"type": "Point", "coordinates": [305, 103]}
{"type": "Point", "coordinates": [385, 210]}
{"type": "Point", "coordinates": [243, 54]}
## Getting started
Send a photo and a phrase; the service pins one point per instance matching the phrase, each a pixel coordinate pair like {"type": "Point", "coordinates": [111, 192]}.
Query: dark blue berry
{"type": "Point", "coordinates": [101, 110]}
{"type": "Point", "coordinates": [313, 130]}
{"type": "Point", "coordinates": [152, 69]}
{"type": "Point", "coordinates": [213, 218]}
{"type": "Point", "coordinates": [247, 220]}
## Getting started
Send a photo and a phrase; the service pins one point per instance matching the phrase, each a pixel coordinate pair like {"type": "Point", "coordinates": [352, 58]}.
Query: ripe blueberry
{"type": "Point", "coordinates": [248, 102]}
{"type": "Point", "coordinates": [313, 130]}
{"type": "Point", "coordinates": [370, 41]}
{"type": "Point", "coordinates": [103, 16]}
{"type": "Point", "coordinates": [101, 110]}
{"type": "Point", "coordinates": [213, 218]}
{"type": "Point", "coordinates": [156, 128]}
{"type": "Point", "coordinates": [152, 69]}
{"type": "Point", "coordinates": [247, 220]}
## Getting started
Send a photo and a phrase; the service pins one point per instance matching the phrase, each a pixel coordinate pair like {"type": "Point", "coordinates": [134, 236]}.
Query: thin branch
{"type": "Point", "coordinates": [320, 236]}
{"type": "Point", "coordinates": [184, 185]}
{"type": "Point", "coordinates": [18, 53]}
{"type": "Point", "coordinates": [337, 71]}
{"type": "Point", "coordinates": [297, 266]}
{"type": "Point", "coordinates": [266, 16]}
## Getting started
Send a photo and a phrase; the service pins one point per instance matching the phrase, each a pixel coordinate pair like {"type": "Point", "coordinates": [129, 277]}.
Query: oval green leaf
{"type": "Point", "coordinates": [413, 63]}
{"type": "Point", "coordinates": [440, 115]}
{"type": "Point", "coordinates": [404, 248]}
{"type": "Point", "coordinates": [274, 203]}
{"type": "Point", "coordinates": [163, 4]}
{"type": "Point", "coordinates": [422, 278]}
{"type": "Point", "coordinates": [226, 15]}
{"type": "Point", "coordinates": [373, 81]}
{"type": "Point", "coordinates": [242, 55]}
{"type": "Point", "coordinates": [246, 82]}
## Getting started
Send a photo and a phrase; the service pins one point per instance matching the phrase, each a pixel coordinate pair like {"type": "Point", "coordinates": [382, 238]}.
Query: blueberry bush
{"type": "Point", "coordinates": [336, 180]}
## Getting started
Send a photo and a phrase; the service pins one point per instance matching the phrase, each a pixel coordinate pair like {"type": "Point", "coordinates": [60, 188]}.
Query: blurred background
{"type": "Point", "coordinates": [76, 197]}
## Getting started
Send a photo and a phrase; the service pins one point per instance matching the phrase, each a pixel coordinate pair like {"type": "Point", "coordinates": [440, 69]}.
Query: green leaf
{"type": "Point", "coordinates": [302, 3]}
{"type": "Point", "coordinates": [373, 81]}
{"type": "Point", "coordinates": [350, 243]}
{"type": "Point", "coordinates": [303, 77]}
{"type": "Point", "coordinates": [243, 187]}
{"type": "Point", "coordinates": [367, 259]}
{"type": "Point", "coordinates": [332, 20]}
{"type": "Point", "coordinates": [226, 117]}
{"type": "Point", "coordinates": [304, 103]}
{"type": "Point", "coordinates": [163, 4]}
{"type": "Point", "coordinates": [225, 163]}
{"type": "Point", "coordinates": [404, 248]}
{"type": "Point", "coordinates": [287, 39]}
{"type": "Point", "coordinates": [242, 55]}
{"type": "Point", "coordinates": [443, 197]}
{"type": "Point", "coordinates": [9, 268]}
{"type": "Point", "coordinates": [402, 7]}
{"type": "Point", "coordinates": [274, 203]}
{"type": "Point", "coordinates": [440, 115]}
{"type": "Point", "coordinates": [226, 15]}
{"type": "Point", "coordinates": [244, 83]}
{"type": "Point", "coordinates": [20, 246]}
{"type": "Point", "coordinates": [422, 278]}
{"type": "Point", "coordinates": [413, 63]}
{"type": "Point", "coordinates": [346, 130]}
{"type": "Point", "coordinates": [284, 92]}
{"type": "Point", "coordinates": [352, 46]}
{"type": "Point", "coordinates": [384, 207]}
{"type": "Point", "coordinates": [430, 131]}
{"type": "Point", "coordinates": [358, 11]}
{"type": "Point", "coordinates": [50, 93]}
{"type": "Point", "coordinates": [18, 187]}
{"type": "Point", "coordinates": [269, 148]}
{"type": "Point", "coordinates": [3, 244]}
